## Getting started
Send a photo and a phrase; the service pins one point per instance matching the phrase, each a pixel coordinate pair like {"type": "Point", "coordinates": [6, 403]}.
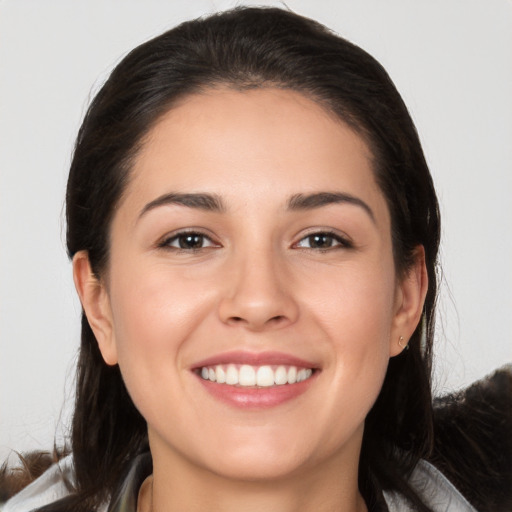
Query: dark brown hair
{"type": "Point", "coordinates": [250, 48]}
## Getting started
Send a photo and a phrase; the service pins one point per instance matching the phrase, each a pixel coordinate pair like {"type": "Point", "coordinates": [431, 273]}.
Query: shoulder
{"type": "Point", "coordinates": [470, 467]}
{"type": "Point", "coordinates": [473, 441]}
{"type": "Point", "coordinates": [58, 481]}
{"type": "Point", "coordinates": [434, 489]}
{"type": "Point", "coordinates": [55, 483]}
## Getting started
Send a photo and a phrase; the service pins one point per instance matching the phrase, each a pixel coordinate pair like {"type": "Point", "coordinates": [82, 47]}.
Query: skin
{"type": "Point", "coordinates": [258, 284]}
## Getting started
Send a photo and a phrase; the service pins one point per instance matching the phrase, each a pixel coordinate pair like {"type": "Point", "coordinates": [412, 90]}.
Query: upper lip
{"type": "Point", "coordinates": [255, 359]}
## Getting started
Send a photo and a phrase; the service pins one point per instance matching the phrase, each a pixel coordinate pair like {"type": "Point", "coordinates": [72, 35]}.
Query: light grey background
{"type": "Point", "coordinates": [451, 60]}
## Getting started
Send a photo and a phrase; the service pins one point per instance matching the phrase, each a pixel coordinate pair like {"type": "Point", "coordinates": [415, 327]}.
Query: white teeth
{"type": "Point", "coordinates": [301, 375]}
{"type": "Point", "coordinates": [220, 374]}
{"type": "Point", "coordinates": [281, 376]}
{"type": "Point", "coordinates": [231, 375]}
{"type": "Point", "coordinates": [247, 376]}
{"type": "Point", "coordinates": [250, 376]}
{"type": "Point", "coordinates": [304, 374]}
{"type": "Point", "coordinates": [265, 376]}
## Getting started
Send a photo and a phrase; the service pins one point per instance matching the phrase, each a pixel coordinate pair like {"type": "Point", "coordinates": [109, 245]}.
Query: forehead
{"type": "Point", "coordinates": [272, 142]}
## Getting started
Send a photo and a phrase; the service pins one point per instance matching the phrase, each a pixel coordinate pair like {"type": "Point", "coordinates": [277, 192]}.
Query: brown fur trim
{"type": "Point", "coordinates": [30, 466]}
{"type": "Point", "coordinates": [473, 441]}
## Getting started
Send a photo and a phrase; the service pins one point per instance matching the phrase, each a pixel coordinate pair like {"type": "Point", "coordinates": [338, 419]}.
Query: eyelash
{"type": "Point", "coordinates": [167, 242]}
{"type": "Point", "coordinates": [339, 241]}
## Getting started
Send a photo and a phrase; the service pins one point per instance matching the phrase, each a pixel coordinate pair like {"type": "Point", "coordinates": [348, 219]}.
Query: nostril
{"type": "Point", "coordinates": [274, 319]}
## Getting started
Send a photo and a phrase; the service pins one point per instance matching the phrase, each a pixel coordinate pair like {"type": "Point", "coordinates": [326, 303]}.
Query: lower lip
{"type": "Point", "coordinates": [256, 398]}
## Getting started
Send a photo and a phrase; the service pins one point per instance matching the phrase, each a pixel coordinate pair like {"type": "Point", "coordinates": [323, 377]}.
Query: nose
{"type": "Point", "coordinates": [258, 294]}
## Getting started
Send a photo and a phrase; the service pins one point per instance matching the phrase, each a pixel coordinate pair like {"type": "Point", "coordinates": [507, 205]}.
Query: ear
{"type": "Point", "coordinates": [96, 304]}
{"type": "Point", "coordinates": [410, 297]}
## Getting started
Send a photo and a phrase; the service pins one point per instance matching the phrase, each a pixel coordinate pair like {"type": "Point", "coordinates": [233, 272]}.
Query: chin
{"type": "Point", "coordinates": [269, 455]}
{"type": "Point", "coordinates": [253, 467]}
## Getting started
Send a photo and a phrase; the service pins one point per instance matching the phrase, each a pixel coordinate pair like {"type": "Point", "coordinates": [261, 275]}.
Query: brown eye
{"type": "Point", "coordinates": [320, 241]}
{"type": "Point", "coordinates": [323, 241]}
{"type": "Point", "coordinates": [188, 241]}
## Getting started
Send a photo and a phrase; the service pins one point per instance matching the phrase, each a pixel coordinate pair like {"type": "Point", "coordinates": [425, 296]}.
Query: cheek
{"type": "Point", "coordinates": [355, 304]}
{"type": "Point", "coordinates": [150, 303]}
{"type": "Point", "coordinates": [355, 313]}
{"type": "Point", "coordinates": [154, 315]}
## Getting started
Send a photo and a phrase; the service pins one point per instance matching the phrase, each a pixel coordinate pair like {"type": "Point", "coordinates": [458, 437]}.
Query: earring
{"type": "Point", "coordinates": [402, 345]}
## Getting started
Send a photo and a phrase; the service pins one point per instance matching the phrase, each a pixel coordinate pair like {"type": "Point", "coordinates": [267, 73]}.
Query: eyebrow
{"type": "Point", "coordinates": [206, 202]}
{"type": "Point", "coordinates": [214, 203]}
{"type": "Point", "coordinates": [320, 199]}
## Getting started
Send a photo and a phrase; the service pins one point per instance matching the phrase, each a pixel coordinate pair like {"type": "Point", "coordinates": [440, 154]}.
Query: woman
{"type": "Point", "coordinates": [254, 234]}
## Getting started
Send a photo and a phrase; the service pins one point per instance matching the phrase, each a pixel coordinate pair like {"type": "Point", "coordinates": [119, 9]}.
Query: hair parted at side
{"type": "Point", "coordinates": [249, 48]}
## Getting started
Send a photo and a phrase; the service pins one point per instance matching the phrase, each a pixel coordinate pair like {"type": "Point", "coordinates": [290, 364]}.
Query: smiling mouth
{"type": "Point", "coordinates": [255, 376]}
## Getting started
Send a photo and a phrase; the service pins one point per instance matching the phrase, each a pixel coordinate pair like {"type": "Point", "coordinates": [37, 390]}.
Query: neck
{"type": "Point", "coordinates": [331, 487]}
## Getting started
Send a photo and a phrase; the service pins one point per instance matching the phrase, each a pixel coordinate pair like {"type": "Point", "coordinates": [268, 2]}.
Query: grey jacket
{"type": "Point", "coordinates": [426, 480]}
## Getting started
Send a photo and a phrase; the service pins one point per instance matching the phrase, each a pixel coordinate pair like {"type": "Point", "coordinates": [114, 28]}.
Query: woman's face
{"type": "Point", "coordinates": [251, 250]}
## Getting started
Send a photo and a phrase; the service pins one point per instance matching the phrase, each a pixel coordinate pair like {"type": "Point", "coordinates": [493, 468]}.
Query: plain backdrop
{"type": "Point", "coordinates": [450, 59]}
